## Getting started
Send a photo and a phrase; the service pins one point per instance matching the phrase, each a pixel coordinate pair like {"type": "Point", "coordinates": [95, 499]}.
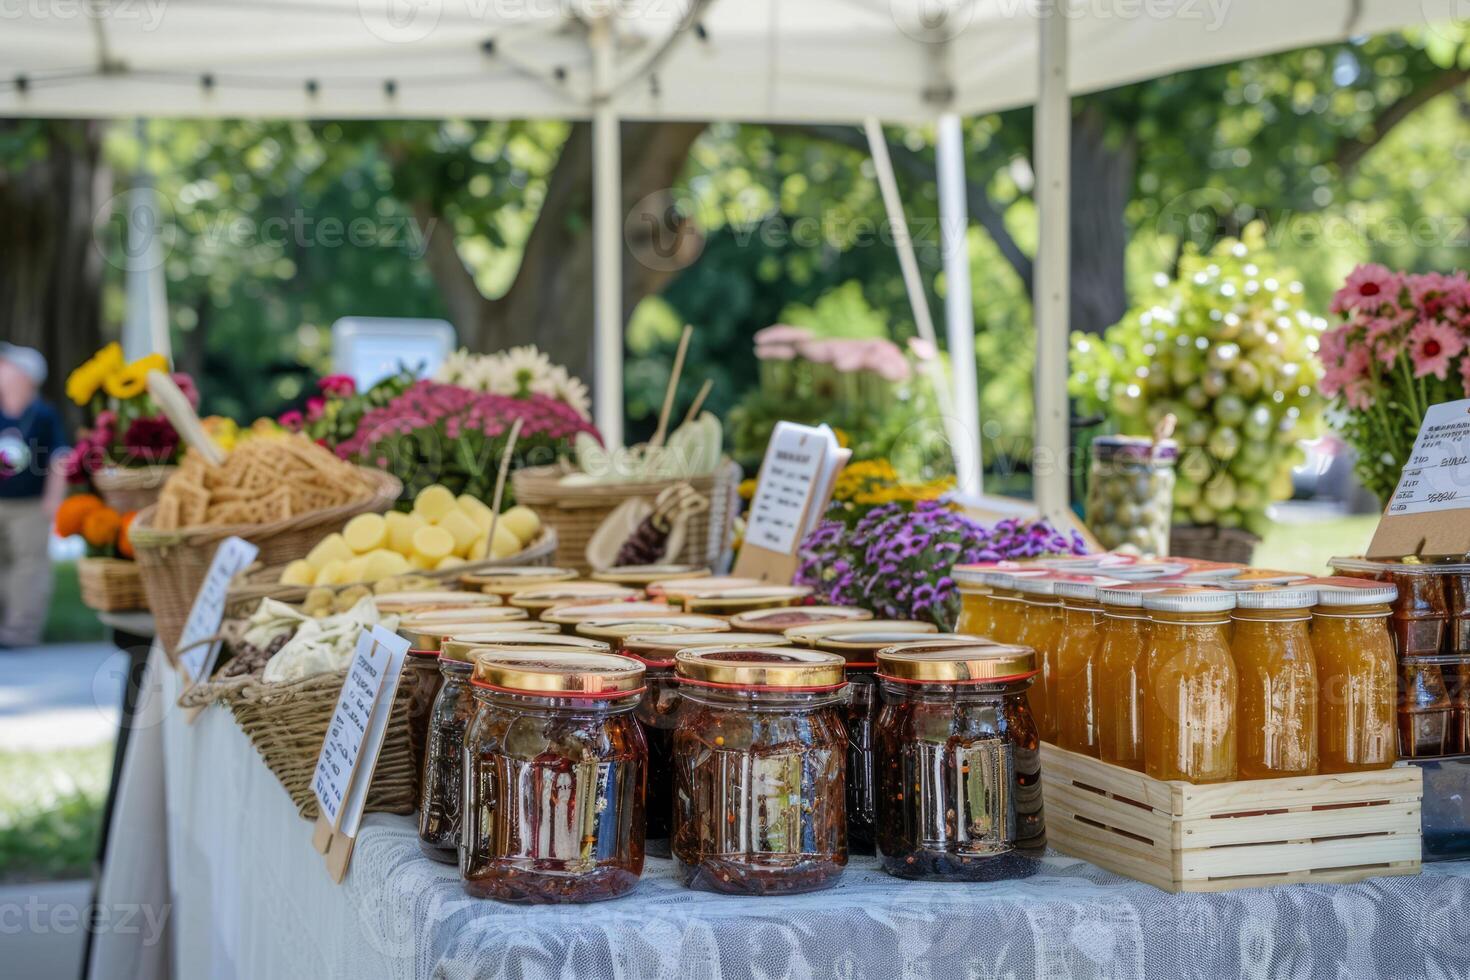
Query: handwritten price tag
{"type": "Point", "coordinates": [1425, 516]}
{"type": "Point", "coordinates": [196, 657]}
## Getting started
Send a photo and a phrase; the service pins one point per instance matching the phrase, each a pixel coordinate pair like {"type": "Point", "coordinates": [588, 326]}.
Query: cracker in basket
{"type": "Point", "coordinates": [166, 517]}
{"type": "Point", "coordinates": [193, 501]}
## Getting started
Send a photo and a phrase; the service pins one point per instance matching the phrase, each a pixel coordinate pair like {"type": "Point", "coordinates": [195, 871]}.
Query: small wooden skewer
{"type": "Point", "coordinates": [662, 431]}
{"type": "Point", "coordinates": [510, 446]}
{"type": "Point", "coordinates": [698, 402]}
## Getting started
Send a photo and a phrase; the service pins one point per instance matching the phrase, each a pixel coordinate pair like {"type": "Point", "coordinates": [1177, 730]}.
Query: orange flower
{"type": "Point", "coordinates": [101, 527]}
{"type": "Point", "coordinates": [124, 541]}
{"type": "Point", "coordinates": [73, 511]}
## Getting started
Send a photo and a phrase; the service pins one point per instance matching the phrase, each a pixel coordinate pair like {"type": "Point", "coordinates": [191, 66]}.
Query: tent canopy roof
{"type": "Point", "coordinates": [746, 60]}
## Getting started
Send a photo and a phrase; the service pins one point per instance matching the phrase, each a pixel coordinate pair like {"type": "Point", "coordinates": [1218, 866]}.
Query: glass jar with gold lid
{"type": "Point", "coordinates": [639, 576]}
{"type": "Point", "coordinates": [659, 706]}
{"type": "Point", "coordinates": [727, 602]}
{"type": "Point", "coordinates": [783, 618]}
{"type": "Point", "coordinates": [810, 636]}
{"type": "Point", "coordinates": [554, 785]}
{"type": "Point", "coordinates": [505, 582]}
{"type": "Point", "coordinates": [674, 590]}
{"type": "Point", "coordinates": [490, 617]}
{"type": "Point", "coordinates": [441, 794]}
{"type": "Point", "coordinates": [568, 616]}
{"type": "Point", "coordinates": [759, 754]}
{"type": "Point", "coordinates": [537, 599]}
{"type": "Point", "coordinates": [613, 629]}
{"type": "Point", "coordinates": [404, 603]}
{"type": "Point", "coordinates": [958, 763]}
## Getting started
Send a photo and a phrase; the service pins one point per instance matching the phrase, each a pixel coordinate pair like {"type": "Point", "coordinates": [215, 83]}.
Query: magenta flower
{"type": "Point", "coordinates": [292, 420]}
{"type": "Point", "coordinates": [337, 386]}
{"type": "Point", "coordinates": [1432, 346]}
{"type": "Point", "coordinates": [1368, 287]}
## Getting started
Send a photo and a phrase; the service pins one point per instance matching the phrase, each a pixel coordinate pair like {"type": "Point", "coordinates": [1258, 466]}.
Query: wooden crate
{"type": "Point", "coordinates": [1185, 838]}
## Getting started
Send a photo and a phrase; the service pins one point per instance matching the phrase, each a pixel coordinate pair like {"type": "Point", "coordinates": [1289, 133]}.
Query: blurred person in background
{"type": "Point", "coordinates": [33, 445]}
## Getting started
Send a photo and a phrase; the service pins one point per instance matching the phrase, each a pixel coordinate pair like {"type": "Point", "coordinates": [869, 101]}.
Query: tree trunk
{"type": "Point", "coordinates": [1102, 183]}
{"type": "Point", "coordinates": [550, 301]}
{"type": "Point", "coordinates": [50, 264]}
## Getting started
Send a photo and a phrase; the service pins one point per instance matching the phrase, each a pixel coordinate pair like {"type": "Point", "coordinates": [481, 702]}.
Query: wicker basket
{"type": "Point", "coordinates": [126, 489]}
{"type": "Point", "coordinates": [263, 582]}
{"type": "Point", "coordinates": [576, 512]}
{"type": "Point", "coordinates": [1213, 543]}
{"type": "Point", "coordinates": [174, 563]}
{"type": "Point", "coordinates": [111, 585]}
{"type": "Point", "coordinates": [287, 723]}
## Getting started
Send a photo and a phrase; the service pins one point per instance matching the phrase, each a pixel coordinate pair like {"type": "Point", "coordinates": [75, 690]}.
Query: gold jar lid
{"type": "Point", "coordinates": [782, 618]}
{"type": "Point", "coordinates": [461, 647]}
{"type": "Point", "coordinates": [467, 614]}
{"type": "Point", "coordinates": [675, 589]}
{"type": "Point", "coordinates": [862, 647]}
{"type": "Point", "coordinates": [760, 667]}
{"type": "Point", "coordinates": [539, 598]}
{"type": "Point", "coordinates": [429, 637]}
{"type": "Point", "coordinates": [577, 612]}
{"type": "Point", "coordinates": [557, 672]}
{"type": "Point", "coordinates": [641, 575]}
{"type": "Point", "coordinates": [808, 636]}
{"type": "Point", "coordinates": [659, 648]}
{"type": "Point", "coordinates": [730, 601]}
{"type": "Point", "coordinates": [504, 581]}
{"type": "Point", "coordinates": [981, 664]}
{"type": "Point", "coordinates": [406, 602]}
{"type": "Point", "coordinates": [615, 627]}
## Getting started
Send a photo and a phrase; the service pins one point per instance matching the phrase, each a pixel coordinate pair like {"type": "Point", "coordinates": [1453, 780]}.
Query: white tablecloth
{"type": "Point", "coordinates": [251, 899]}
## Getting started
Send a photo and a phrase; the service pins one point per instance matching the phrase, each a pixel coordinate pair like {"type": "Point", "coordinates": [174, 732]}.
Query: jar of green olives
{"type": "Point", "coordinates": [1130, 492]}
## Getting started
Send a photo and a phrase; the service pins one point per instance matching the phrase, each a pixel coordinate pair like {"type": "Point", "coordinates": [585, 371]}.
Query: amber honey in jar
{"type": "Point", "coordinates": [1041, 630]}
{"type": "Point", "coordinates": [1276, 670]}
{"type": "Point", "coordinates": [554, 777]}
{"type": "Point", "coordinates": [759, 759]}
{"type": "Point", "coordinates": [977, 610]}
{"type": "Point", "coordinates": [1190, 687]}
{"type": "Point", "coordinates": [958, 763]}
{"type": "Point", "coordinates": [1076, 663]}
{"type": "Point", "coordinates": [1122, 663]}
{"type": "Point", "coordinates": [659, 706]}
{"type": "Point", "coordinates": [1420, 609]}
{"type": "Point", "coordinates": [1356, 684]}
{"type": "Point", "coordinates": [1007, 611]}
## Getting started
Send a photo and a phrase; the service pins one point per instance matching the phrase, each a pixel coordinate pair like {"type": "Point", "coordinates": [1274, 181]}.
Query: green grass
{"type": "Point", "coordinates": [51, 812]}
{"type": "Point", "coordinates": [1305, 546]}
{"type": "Point", "coordinates": [68, 621]}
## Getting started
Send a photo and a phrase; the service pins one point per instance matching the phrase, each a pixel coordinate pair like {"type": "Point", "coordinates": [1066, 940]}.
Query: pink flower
{"type": "Point", "coordinates": [315, 406]}
{"type": "Point", "coordinates": [1432, 346]}
{"type": "Point", "coordinates": [189, 388]}
{"type": "Point", "coordinates": [774, 352]}
{"type": "Point", "coordinates": [291, 420]}
{"type": "Point", "coordinates": [848, 355]}
{"type": "Point", "coordinates": [922, 349]}
{"type": "Point", "coordinates": [817, 351]}
{"type": "Point", "coordinates": [884, 358]}
{"type": "Point", "coordinates": [1369, 286]}
{"type": "Point", "coordinates": [1435, 294]}
{"type": "Point", "coordinates": [1465, 375]}
{"type": "Point", "coordinates": [338, 386]}
{"type": "Point", "coordinates": [781, 333]}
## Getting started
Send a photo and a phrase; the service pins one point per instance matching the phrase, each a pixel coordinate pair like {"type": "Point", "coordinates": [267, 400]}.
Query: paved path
{"type": "Point", "coordinates": [61, 695]}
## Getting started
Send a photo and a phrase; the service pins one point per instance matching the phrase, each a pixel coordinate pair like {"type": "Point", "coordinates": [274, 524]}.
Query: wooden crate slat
{"type": "Point", "coordinates": [1256, 859]}
{"type": "Point", "coordinates": [1335, 828]}
{"type": "Point", "coordinates": [1398, 817]}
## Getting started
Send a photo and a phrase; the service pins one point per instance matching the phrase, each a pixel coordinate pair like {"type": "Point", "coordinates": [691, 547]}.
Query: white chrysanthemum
{"type": "Point", "coordinates": [456, 367]}
{"type": "Point", "coordinates": [560, 385]}
{"type": "Point", "coordinates": [527, 365]}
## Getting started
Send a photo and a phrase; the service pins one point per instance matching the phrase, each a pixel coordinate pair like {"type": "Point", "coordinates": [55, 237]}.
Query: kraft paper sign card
{"type": "Point", "coordinates": [795, 484]}
{"type": "Point", "coordinates": [344, 769]}
{"type": "Point", "coordinates": [1429, 513]}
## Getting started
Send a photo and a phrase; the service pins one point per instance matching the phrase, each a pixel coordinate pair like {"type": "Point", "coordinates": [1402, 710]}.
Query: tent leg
{"type": "Point", "coordinates": [145, 323]}
{"type": "Point", "coordinates": [903, 244]}
{"type": "Point", "coordinates": [1051, 290]}
{"type": "Point", "coordinates": [959, 310]}
{"type": "Point", "coordinates": [607, 273]}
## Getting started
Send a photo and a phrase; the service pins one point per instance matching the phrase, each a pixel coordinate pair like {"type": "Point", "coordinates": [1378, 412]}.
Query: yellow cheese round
{"type": "Point", "coordinates": [522, 522]}
{"type": "Point", "coordinates": [383, 564]}
{"type": "Point", "coordinates": [330, 573]}
{"type": "Point", "coordinates": [462, 529]}
{"type": "Point", "coordinates": [400, 530]}
{"type": "Point", "coordinates": [476, 510]}
{"type": "Point", "coordinates": [432, 544]}
{"type": "Point", "coordinates": [433, 502]}
{"type": "Point", "coordinates": [331, 548]}
{"type": "Point", "coordinates": [366, 532]}
{"type": "Point", "coordinates": [453, 561]}
{"type": "Point", "coordinates": [299, 572]}
{"type": "Point", "coordinates": [505, 543]}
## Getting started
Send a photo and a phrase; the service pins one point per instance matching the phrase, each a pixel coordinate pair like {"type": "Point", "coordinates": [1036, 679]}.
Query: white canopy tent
{"type": "Point", "coordinates": [845, 61]}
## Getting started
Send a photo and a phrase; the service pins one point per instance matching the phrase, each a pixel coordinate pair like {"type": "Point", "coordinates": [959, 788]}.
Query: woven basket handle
{"type": "Point", "coordinates": [172, 402]}
{"type": "Point", "coordinates": [199, 643]}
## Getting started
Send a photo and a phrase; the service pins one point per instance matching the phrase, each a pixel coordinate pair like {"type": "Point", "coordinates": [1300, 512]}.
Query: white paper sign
{"type": "Point", "coordinates": [196, 657]}
{"type": "Point", "coordinates": [799, 464]}
{"type": "Point", "coordinates": [1444, 436]}
{"type": "Point", "coordinates": [349, 753]}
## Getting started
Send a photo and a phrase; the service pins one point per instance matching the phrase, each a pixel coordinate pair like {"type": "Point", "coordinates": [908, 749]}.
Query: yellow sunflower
{"type": "Point", "coordinates": [132, 381]}
{"type": "Point", "coordinates": [83, 383]}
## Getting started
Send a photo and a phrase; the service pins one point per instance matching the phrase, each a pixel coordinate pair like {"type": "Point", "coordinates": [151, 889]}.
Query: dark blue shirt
{"type": "Point", "coordinates": [26, 446]}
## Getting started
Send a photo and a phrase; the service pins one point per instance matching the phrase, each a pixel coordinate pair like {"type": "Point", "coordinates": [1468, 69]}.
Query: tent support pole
{"type": "Point", "coordinates": [145, 323]}
{"type": "Point", "coordinates": [903, 244]}
{"type": "Point", "coordinates": [959, 309]}
{"type": "Point", "coordinates": [607, 272]}
{"type": "Point", "coordinates": [1052, 289]}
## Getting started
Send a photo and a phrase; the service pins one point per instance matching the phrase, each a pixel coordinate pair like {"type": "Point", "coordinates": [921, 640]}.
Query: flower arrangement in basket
{"type": "Point", "coordinates": [109, 578]}
{"type": "Point", "coordinates": [896, 559]}
{"type": "Point", "coordinates": [127, 446]}
{"type": "Point", "coordinates": [1403, 345]}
